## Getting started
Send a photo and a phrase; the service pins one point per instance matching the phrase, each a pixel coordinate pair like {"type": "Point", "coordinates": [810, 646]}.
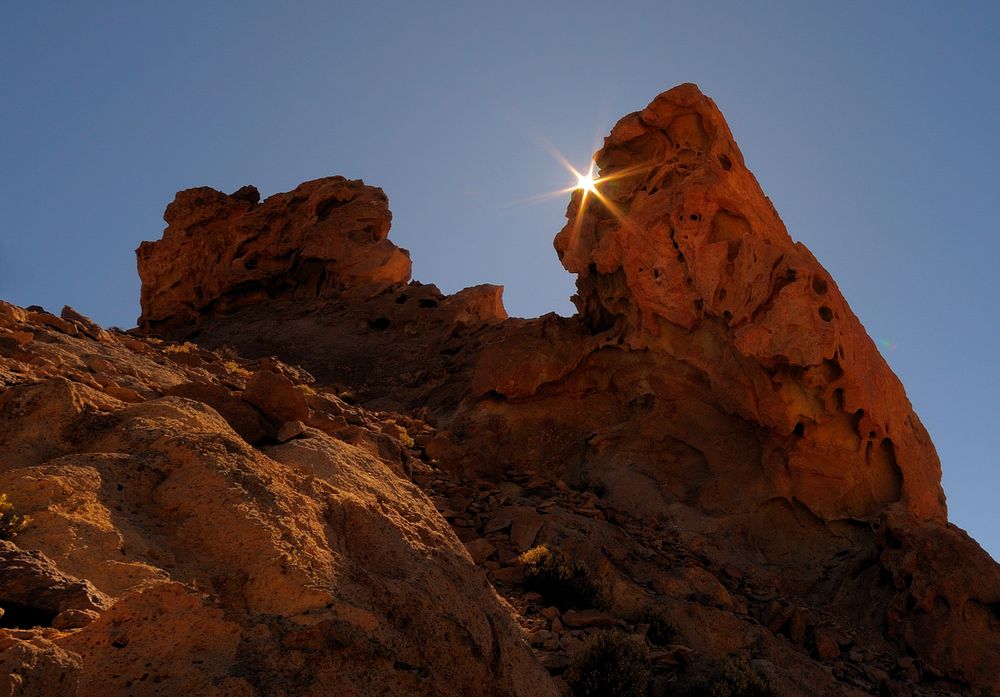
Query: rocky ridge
{"type": "Point", "coordinates": [712, 439]}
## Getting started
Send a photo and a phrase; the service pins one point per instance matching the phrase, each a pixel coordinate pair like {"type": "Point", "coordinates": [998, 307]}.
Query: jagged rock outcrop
{"type": "Point", "coordinates": [318, 258]}
{"type": "Point", "coordinates": [713, 437]}
{"type": "Point", "coordinates": [222, 252]}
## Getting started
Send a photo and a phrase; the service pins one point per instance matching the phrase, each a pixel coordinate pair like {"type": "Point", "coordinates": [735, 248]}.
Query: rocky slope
{"type": "Point", "coordinates": [206, 526]}
{"type": "Point", "coordinates": [712, 443]}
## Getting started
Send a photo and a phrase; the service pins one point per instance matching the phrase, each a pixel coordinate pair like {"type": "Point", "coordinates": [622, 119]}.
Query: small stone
{"type": "Point", "coordinates": [290, 430]}
{"type": "Point", "coordinates": [524, 530]}
{"type": "Point", "coordinates": [276, 397]}
{"type": "Point", "coordinates": [74, 619]}
{"type": "Point", "coordinates": [539, 637]}
{"type": "Point", "coordinates": [550, 613]}
{"type": "Point", "coordinates": [480, 550]}
{"type": "Point", "coordinates": [876, 674]}
{"type": "Point", "coordinates": [509, 576]}
{"type": "Point", "coordinates": [589, 618]}
{"type": "Point", "coordinates": [827, 647]}
{"type": "Point", "coordinates": [554, 662]}
{"type": "Point", "coordinates": [497, 524]}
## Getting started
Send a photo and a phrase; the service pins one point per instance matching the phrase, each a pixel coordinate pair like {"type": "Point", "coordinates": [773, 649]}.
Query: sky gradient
{"type": "Point", "coordinates": [871, 126]}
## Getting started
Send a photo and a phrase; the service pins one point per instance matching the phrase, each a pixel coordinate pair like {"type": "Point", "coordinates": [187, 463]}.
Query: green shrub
{"type": "Point", "coordinates": [562, 581]}
{"type": "Point", "coordinates": [11, 523]}
{"type": "Point", "coordinates": [610, 664]}
{"type": "Point", "coordinates": [736, 677]}
{"type": "Point", "coordinates": [661, 631]}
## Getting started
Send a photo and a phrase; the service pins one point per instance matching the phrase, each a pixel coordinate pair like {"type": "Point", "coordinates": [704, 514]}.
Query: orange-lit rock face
{"type": "Point", "coordinates": [222, 252]}
{"type": "Point", "coordinates": [682, 254]}
{"type": "Point", "coordinates": [715, 398]}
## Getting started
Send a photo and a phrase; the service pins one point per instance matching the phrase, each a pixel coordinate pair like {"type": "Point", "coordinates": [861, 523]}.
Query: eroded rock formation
{"type": "Point", "coordinates": [682, 254]}
{"type": "Point", "coordinates": [712, 437]}
{"type": "Point", "coordinates": [220, 252]}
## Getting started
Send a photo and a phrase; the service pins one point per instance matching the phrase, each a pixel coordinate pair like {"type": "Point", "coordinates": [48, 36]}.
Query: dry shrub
{"type": "Point", "coordinates": [610, 664]}
{"type": "Point", "coordinates": [563, 581]}
{"type": "Point", "coordinates": [11, 522]}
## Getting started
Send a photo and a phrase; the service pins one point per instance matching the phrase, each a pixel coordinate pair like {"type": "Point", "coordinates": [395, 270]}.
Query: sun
{"type": "Point", "coordinates": [587, 181]}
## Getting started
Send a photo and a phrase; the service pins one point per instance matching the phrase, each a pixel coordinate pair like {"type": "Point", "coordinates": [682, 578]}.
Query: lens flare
{"type": "Point", "coordinates": [587, 181]}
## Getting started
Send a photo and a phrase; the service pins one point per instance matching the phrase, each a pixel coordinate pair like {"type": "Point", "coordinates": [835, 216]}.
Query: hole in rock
{"type": "Point", "coordinates": [695, 216]}
{"type": "Point", "coordinates": [726, 163]}
{"type": "Point", "coordinates": [838, 397]}
{"type": "Point", "coordinates": [17, 616]}
{"type": "Point", "coordinates": [427, 302]}
{"type": "Point", "coordinates": [831, 370]}
{"type": "Point", "coordinates": [799, 430]}
{"type": "Point", "coordinates": [819, 285]}
{"type": "Point", "coordinates": [885, 577]}
{"type": "Point", "coordinates": [825, 314]}
{"type": "Point", "coordinates": [324, 209]}
{"type": "Point", "coordinates": [727, 315]}
{"type": "Point", "coordinates": [379, 323]}
{"type": "Point", "coordinates": [892, 542]}
{"type": "Point", "coordinates": [400, 299]}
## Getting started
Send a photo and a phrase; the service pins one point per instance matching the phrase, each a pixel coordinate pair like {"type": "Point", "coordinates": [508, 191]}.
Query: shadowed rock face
{"type": "Point", "coordinates": [714, 378]}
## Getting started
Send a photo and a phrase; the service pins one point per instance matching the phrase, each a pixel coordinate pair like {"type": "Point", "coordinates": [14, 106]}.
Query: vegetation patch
{"type": "Point", "coordinates": [661, 630]}
{"type": "Point", "coordinates": [610, 664]}
{"type": "Point", "coordinates": [737, 677]}
{"type": "Point", "coordinates": [563, 581]}
{"type": "Point", "coordinates": [11, 522]}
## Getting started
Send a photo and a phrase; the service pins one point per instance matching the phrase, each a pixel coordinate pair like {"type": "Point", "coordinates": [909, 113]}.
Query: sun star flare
{"type": "Point", "coordinates": [587, 181]}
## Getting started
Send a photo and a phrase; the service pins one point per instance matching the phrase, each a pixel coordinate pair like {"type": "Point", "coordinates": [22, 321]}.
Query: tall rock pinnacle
{"type": "Point", "coordinates": [681, 252]}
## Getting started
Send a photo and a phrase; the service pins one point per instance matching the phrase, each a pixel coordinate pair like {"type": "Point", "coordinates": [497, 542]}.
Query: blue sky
{"type": "Point", "coordinates": [871, 125]}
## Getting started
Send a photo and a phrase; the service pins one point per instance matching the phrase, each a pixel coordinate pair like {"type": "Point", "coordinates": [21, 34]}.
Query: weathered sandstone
{"type": "Point", "coordinates": [333, 479]}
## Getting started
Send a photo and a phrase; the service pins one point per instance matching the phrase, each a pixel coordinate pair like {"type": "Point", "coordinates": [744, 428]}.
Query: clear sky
{"type": "Point", "coordinates": [871, 125]}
